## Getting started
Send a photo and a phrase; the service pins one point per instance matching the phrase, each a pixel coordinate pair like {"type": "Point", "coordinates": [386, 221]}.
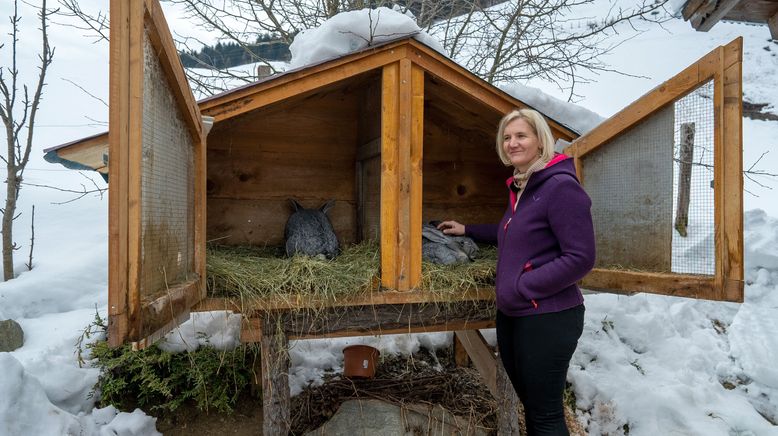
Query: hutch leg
{"type": "Point", "coordinates": [275, 378]}
{"type": "Point", "coordinates": [508, 401]}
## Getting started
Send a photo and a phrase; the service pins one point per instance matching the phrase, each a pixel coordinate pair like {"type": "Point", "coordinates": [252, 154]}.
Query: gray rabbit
{"type": "Point", "coordinates": [438, 247]}
{"type": "Point", "coordinates": [309, 232]}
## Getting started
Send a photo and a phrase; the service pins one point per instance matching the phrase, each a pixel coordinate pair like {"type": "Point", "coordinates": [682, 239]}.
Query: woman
{"type": "Point", "coordinates": [545, 245]}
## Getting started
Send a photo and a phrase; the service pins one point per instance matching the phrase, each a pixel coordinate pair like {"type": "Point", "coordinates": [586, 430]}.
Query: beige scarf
{"type": "Point", "coordinates": [520, 179]}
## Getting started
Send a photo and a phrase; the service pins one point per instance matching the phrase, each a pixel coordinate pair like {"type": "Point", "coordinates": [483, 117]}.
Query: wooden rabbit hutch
{"type": "Point", "coordinates": [396, 134]}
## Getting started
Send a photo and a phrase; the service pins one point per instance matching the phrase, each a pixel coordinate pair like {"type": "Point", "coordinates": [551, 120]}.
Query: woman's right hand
{"type": "Point", "coordinates": [452, 228]}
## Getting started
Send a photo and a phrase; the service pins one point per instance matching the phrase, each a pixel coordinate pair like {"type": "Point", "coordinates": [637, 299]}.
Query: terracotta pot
{"type": "Point", "coordinates": [359, 361]}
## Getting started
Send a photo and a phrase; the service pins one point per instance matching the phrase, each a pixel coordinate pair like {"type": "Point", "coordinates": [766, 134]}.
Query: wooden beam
{"type": "Point", "coordinates": [627, 282]}
{"type": "Point", "coordinates": [262, 94]}
{"type": "Point", "coordinates": [162, 41]}
{"type": "Point", "coordinates": [251, 330]}
{"type": "Point", "coordinates": [728, 175]}
{"type": "Point", "coordinates": [460, 78]}
{"type": "Point", "coordinates": [175, 303]}
{"type": "Point", "coordinates": [404, 88]}
{"type": "Point", "coordinates": [390, 195]}
{"type": "Point", "coordinates": [275, 379]}
{"type": "Point", "coordinates": [671, 90]}
{"type": "Point", "coordinates": [436, 328]}
{"type": "Point", "coordinates": [134, 186]}
{"type": "Point", "coordinates": [482, 357]}
{"type": "Point", "coordinates": [368, 299]}
{"type": "Point", "coordinates": [200, 205]}
{"type": "Point", "coordinates": [422, 317]}
{"type": "Point", "coordinates": [119, 94]}
{"type": "Point", "coordinates": [722, 8]}
{"type": "Point", "coordinates": [690, 8]}
{"type": "Point", "coordinates": [416, 174]}
{"type": "Point", "coordinates": [508, 412]}
{"type": "Point", "coordinates": [772, 24]}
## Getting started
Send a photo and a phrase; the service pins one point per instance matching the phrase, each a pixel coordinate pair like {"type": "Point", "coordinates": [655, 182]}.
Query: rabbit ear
{"type": "Point", "coordinates": [295, 205]}
{"type": "Point", "coordinates": [327, 206]}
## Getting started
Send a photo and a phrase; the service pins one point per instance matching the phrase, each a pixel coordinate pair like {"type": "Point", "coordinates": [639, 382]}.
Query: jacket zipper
{"type": "Point", "coordinates": [527, 266]}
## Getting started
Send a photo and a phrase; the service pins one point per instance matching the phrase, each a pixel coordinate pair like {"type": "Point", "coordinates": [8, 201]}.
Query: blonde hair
{"type": "Point", "coordinates": [539, 127]}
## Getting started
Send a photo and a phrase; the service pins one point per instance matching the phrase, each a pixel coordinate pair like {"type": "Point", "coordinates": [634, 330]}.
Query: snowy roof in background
{"type": "Point", "coordinates": [571, 115]}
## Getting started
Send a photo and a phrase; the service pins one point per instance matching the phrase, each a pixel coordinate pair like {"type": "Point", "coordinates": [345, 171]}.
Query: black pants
{"type": "Point", "coordinates": [536, 352]}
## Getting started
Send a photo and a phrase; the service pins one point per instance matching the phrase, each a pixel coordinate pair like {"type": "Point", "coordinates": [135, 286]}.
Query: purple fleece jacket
{"type": "Point", "coordinates": [545, 246]}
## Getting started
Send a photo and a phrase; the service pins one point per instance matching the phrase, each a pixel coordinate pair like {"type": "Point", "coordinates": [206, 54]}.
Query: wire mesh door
{"type": "Point", "coordinates": [665, 178]}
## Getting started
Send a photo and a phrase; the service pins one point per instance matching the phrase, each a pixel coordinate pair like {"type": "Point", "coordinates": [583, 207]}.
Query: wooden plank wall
{"type": "Point", "coordinates": [463, 176]}
{"type": "Point", "coordinates": [369, 165]}
{"type": "Point", "coordinates": [304, 149]}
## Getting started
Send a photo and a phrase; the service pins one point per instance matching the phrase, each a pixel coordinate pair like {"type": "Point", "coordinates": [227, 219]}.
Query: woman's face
{"type": "Point", "coordinates": [521, 144]}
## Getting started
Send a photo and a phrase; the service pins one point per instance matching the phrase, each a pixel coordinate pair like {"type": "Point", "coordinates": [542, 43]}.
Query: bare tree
{"type": "Point", "coordinates": [18, 110]}
{"type": "Point", "coordinates": [499, 40]}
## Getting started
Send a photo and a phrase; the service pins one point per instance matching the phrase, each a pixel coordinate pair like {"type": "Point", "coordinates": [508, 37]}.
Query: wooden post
{"type": "Point", "coordinates": [389, 175]}
{"type": "Point", "coordinates": [508, 401]}
{"type": "Point", "coordinates": [728, 173]}
{"type": "Point", "coordinates": [772, 24]}
{"type": "Point", "coordinates": [275, 377]}
{"type": "Point", "coordinates": [402, 131]}
{"type": "Point", "coordinates": [460, 354]}
{"type": "Point", "coordinates": [685, 159]}
{"type": "Point", "coordinates": [482, 357]}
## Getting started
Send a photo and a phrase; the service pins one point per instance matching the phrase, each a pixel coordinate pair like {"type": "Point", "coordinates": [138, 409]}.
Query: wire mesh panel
{"type": "Point", "coordinates": [652, 191]}
{"type": "Point", "coordinates": [630, 182]}
{"type": "Point", "coordinates": [693, 194]}
{"type": "Point", "coordinates": [167, 221]}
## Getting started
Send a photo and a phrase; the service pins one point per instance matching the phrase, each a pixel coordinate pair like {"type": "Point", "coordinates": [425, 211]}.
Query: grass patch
{"type": "Point", "coordinates": [156, 380]}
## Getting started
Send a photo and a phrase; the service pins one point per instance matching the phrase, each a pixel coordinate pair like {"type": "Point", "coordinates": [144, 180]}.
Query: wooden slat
{"type": "Point", "coordinates": [251, 330]}
{"type": "Point", "coordinates": [664, 94]}
{"type": "Point", "coordinates": [457, 76]}
{"type": "Point", "coordinates": [416, 175]}
{"type": "Point", "coordinates": [370, 298]}
{"type": "Point", "coordinates": [722, 8]}
{"type": "Point", "coordinates": [266, 93]}
{"type": "Point", "coordinates": [135, 152]}
{"type": "Point", "coordinates": [690, 8]}
{"type": "Point", "coordinates": [447, 327]}
{"type": "Point", "coordinates": [404, 176]}
{"type": "Point", "coordinates": [162, 41]}
{"type": "Point", "coordinates": [390, 196]}
{"type": "Point", "coordinates": [627, 282]}
{"type": "Point", "coordinates": [167, 312]}
{"type": "Point", "coordinates": [482, 357]}
{"type": "Point", "coordinates": [772, 24]}
{"type": "Point", "coordinates": [730, 247]}
{"type": "Point", "coordinates": [200, 212]}
{"type": "Point", "coordinates": [117, 190]}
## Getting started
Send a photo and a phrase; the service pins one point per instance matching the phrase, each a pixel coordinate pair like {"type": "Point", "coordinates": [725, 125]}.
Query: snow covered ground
{"type": "Point", "coordinates": [645, 365]}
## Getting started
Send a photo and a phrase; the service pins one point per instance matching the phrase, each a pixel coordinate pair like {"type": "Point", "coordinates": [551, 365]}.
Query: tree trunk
{"type": "Point", "coordinates": [8, 220]}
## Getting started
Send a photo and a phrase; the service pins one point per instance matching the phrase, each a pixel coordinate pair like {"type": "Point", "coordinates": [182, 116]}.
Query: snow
{"type": "Point", "coordinates": [352, 31]}
{"type": "Point", "coordinates": [645, 365]}
{"type": "Point", "coordinates": [572, 115]}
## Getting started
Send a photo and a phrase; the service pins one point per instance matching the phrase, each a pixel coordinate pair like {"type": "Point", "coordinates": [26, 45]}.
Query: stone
{"type": "Point", "coordinates": [11, 335]}
{"type": "Point", "coordinates": [379, 418]}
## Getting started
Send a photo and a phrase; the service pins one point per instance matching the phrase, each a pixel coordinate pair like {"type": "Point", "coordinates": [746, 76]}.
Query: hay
{"type": "Point", "coordinates": [261, 272]}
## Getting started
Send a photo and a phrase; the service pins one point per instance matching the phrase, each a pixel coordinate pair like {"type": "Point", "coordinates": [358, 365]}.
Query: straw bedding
{"type": "Point", "coordinates": [263, 272]}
